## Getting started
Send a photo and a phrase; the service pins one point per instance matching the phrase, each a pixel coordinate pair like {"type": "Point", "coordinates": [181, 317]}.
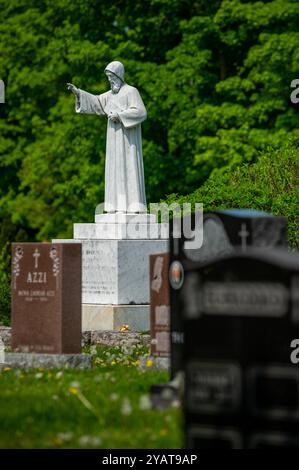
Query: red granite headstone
{"type": "Point", "coordinates": [46, 297]}
{"type": "Point", "coordinates": [159, 305]}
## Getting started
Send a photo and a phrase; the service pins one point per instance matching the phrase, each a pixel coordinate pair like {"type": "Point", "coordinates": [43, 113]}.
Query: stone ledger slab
{"type": "Point", "coordinates": [94, 337]}
{"type": "Point", "coordinates": [48, 361]}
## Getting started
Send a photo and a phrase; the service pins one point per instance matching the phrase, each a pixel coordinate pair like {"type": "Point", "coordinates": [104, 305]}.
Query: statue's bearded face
{"type": "Point", "coordinates": [115, 82]}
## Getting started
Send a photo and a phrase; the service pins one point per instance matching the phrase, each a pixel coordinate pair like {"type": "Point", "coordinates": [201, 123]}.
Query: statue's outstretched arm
{"type": "Point", "coordinates": [86, 103]}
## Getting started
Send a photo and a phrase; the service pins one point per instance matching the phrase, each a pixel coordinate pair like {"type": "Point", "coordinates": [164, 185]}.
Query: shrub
{"type": "Point", "coordinates": [270, 185]}
{"type": "Point", "coordinates": [4, 286]}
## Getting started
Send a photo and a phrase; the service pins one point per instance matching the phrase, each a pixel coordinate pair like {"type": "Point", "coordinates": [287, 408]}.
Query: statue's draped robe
{"type": "Point", "coordinates": [124, 173]}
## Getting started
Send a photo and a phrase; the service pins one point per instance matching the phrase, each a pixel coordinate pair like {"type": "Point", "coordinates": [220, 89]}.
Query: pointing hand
{"type": "Point", "coordinates": [72, 88]}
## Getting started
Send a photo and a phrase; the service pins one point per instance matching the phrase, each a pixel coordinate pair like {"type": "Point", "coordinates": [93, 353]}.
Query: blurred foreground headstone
{"type": "Point", "coordinates": [241, 324]}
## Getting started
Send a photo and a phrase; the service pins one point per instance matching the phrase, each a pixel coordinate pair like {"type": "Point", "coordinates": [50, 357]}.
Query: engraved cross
{"type": "Point", "coordinates": [36, 255]}
{"type": "Point", "coordinates": [243, 234]}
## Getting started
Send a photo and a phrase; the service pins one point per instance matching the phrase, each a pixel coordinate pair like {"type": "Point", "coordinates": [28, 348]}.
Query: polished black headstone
{"type": "Point", "coordinates": [224, 231]}
{"type": "Point", "coordinates": [240, 354]}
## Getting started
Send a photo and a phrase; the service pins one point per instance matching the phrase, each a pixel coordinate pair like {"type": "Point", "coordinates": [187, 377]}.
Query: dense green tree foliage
{"type": "Point", "coordinates": [215, 77]}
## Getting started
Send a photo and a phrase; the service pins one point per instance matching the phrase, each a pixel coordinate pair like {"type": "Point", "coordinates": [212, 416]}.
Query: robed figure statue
{"type": "Point", "coordinates": [124, 108]}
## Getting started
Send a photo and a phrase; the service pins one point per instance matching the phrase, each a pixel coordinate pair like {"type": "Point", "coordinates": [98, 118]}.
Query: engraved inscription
{"type": "Point", "coordinates": [244, 298]}
{"type": "Point", "coordinates": [163, 341]}
{"type": "Point", "coordinates": [162, 314]}
{"type": "Point", "coordinates": [213, 387]}
{"type": "Point", "coordinates": [98, 276]}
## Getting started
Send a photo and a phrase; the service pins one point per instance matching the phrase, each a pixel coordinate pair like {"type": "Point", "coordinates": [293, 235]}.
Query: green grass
{"type": "Point", "coordinates": [105, 407]}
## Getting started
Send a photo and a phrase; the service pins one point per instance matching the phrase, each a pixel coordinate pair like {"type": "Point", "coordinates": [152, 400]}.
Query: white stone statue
{"type": "Point", "coordinates": [124, 108]}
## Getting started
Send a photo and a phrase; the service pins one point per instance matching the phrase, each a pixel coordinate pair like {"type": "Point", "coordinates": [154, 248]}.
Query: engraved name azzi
{"type": "Point", "coordinates": [36, 277]}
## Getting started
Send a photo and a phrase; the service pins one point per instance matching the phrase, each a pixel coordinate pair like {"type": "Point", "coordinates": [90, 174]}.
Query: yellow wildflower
{"type": "Point", "coordinates": [124, 328]}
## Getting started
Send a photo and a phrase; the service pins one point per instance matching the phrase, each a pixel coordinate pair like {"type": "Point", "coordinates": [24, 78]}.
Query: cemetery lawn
{"type": "Point", "coordinates": [104, 407]}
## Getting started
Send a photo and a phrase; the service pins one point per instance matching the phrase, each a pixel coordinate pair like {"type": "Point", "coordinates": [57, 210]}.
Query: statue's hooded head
{"type": "Point", "coordinates": [115, 72]}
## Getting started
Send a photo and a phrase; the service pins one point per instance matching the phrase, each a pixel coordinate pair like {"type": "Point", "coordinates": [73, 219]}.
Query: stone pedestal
{"type": "Point", "coordinates": [113, 317]}
{"type": "Point", "coordinates": [115, 269]}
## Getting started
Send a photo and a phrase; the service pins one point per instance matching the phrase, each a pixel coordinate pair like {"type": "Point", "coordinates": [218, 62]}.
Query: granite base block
{"type": "Point", "coordinates": [113, 317]}
{"type": "Point", "coordinates": [125, 218]}
{"type": "Point", "coordinates": [121, 231]}
{"type": "Point", "coordinates": [48, 361]}
{"type": "Point", "coordinates": [117, 271]}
